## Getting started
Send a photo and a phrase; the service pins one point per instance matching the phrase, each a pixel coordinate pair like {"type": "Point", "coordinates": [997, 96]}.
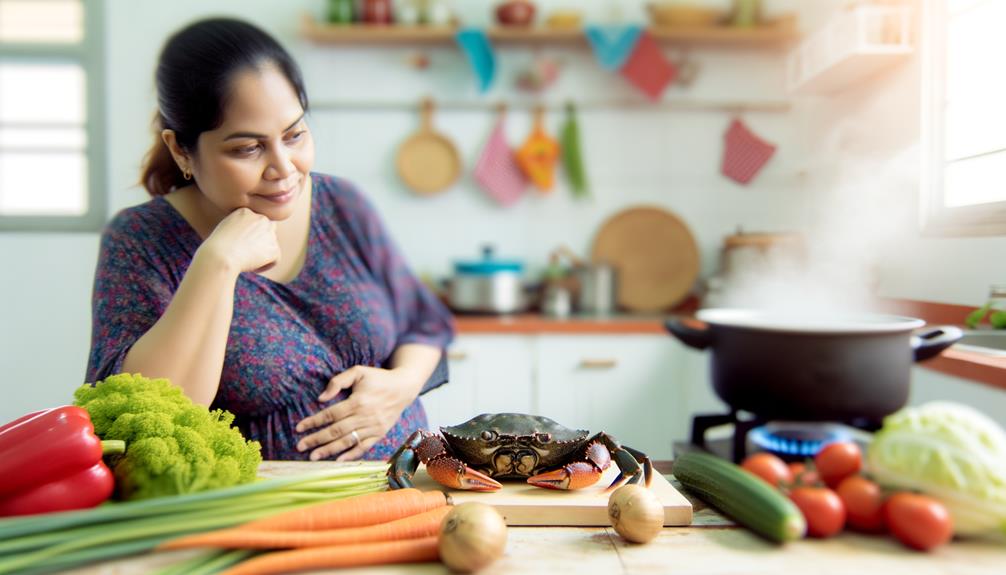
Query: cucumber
{"type": "Point", "coordinates": [741, 495]}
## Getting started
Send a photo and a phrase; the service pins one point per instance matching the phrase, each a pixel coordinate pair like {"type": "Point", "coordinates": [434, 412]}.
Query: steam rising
{"type": "Point", "coordinates": [857, 216]}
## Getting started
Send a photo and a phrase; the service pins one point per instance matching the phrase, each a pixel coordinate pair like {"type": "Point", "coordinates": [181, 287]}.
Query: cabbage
{"type": "Point", "coordinates": [948, 451]}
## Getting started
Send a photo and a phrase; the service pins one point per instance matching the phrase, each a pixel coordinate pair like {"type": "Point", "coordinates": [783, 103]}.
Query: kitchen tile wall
{"type": "Point", "coordinates": [669, 158]}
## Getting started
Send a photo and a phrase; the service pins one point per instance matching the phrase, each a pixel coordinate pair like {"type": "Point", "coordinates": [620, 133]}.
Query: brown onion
{"type": "Point", "coordinates": [636, 513]}
{"type": "Point", "coordinates": [472, 536]}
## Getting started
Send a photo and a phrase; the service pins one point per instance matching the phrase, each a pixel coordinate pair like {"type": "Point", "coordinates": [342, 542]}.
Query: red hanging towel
{"type": "Point", "coordinates": [497, 170]}
{"type": "Point", "coordinates": [744, 153]}
{"type": "Point", "coordinates": [648, 69]}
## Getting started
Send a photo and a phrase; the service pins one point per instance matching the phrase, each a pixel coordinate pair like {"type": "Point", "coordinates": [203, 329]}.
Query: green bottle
{"type": "Point", "coordinates": [341, 11]}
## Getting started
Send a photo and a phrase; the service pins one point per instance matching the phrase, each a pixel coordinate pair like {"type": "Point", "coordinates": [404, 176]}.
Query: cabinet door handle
{"type": "Point", "coordinates": [457, 355]}
{"type": "Point", "coordinates": [598, 363]}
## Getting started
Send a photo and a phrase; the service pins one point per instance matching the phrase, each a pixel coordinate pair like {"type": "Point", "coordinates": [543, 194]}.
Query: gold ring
{"type": "Point", "coordinates": [356, 438]}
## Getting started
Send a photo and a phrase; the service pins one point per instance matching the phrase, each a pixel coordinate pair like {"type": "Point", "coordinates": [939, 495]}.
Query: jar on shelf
{"type": "Point", "coordinates": [341, 11]}
{"type": "Point", "coordinates": [376, 12]}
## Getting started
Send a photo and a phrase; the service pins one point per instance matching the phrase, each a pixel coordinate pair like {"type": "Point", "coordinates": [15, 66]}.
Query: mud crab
{"type": "Point", "coordinates": [515, 446]}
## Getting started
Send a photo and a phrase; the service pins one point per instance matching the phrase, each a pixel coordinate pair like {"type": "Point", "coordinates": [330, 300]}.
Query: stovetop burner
{"type": "Point", "coordinates": [792, 441]}
{"type": "Point", "coordinates": [797, 439]}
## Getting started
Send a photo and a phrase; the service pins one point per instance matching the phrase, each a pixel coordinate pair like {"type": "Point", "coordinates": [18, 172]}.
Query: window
{"type": "Point", "coordinates": [51, 115]}
{"type": "Point", "coordinates": [964, 123]}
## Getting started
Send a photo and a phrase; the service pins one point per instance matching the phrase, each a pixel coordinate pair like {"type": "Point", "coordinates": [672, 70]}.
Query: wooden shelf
{"type": "Point", "coordinates": [360, 34]}
{"type": "Point", "coordinates": [854, 46]}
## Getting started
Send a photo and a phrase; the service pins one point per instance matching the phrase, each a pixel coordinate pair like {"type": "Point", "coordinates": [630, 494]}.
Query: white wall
{"type": "Point", "coordinates": [865, 152]}
{"type": "Point", "coordinates": [668, 158]}
{"type": "Point", "coordinates": [640, 156]}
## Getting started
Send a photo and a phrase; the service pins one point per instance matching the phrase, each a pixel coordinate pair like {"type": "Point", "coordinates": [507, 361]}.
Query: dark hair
{"type": "Point", "coordinates": [194, 74]}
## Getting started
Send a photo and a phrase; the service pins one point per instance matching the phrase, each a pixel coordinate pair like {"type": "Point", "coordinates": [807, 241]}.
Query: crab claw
{"type": "Point", "coordinates": [451, 472]}
{"type": "Point", "coordinates": [573, 476]}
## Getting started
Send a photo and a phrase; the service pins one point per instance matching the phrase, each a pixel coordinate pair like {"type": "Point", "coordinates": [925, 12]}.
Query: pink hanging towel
{"type": "Point", "coordinates": [744, 153]}
{"type": "Point", "coordinates": [497, 171]}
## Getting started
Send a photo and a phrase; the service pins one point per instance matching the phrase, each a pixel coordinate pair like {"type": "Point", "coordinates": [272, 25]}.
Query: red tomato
{"type": "Point", "coordinates": [864, 503]}
{"type": "Point", "coordinates": [769, 467]}
{"type": "Point", "coordinates": [804, 476]}
{"type": "Point", "coordinates": [837, 461]}
{"type": "Point", "coordinates": [822, 508]}
{"type": "Point", "coordinates": [918, 521]}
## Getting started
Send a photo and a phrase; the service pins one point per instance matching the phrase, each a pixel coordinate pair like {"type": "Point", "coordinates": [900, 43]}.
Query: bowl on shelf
{"type": "Point", "coordinates": [564, 19]}
{"type": "Point", "coordinates": [677, 14]}
{"type": "Point", "coordinates": [516, 13]}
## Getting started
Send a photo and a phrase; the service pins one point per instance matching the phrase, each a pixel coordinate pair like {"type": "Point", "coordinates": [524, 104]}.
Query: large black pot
{"type": "Point", "coordinates": [796, 368]}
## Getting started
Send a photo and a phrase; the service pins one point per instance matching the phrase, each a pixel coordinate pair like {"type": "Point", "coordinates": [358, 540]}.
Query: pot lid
{"type": "Point", "coordinates": [488, 265]}
{"type": "Point", "coordinates": [801, 321]}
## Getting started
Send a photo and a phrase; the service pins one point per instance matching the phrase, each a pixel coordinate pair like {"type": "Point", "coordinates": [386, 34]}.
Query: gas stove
{"type": "Point", "coordinates": [790, 440]}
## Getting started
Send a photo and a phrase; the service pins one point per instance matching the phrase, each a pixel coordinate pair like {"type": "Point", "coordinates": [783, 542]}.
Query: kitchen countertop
{"type": "Point", "coordinates": [532, 323]}
{"type": "Point", "coordinates": [711, 545]}
{"type": "Point", "coordinates": [975, 366]}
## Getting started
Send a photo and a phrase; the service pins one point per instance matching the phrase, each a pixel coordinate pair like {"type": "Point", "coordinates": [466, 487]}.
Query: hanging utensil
{"type": "Point", "coordinates": [539, 154]}
{"type": "Point", "coordinates": [572, 157]}
{"type": "Point", "coordinates": [428, 162]}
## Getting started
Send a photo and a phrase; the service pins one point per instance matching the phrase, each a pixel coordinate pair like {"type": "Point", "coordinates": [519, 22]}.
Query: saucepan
{"type": "Point", "coordinates": [803, 367]}
{"type": "Point", "coordinates": [488, 285]}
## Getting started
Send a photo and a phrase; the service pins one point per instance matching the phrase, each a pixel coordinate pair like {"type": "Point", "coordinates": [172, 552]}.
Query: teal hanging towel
{"type": "Point", "coordinates": [476, 46]}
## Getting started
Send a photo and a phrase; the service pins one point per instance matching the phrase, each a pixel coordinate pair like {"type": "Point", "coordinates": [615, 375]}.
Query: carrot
{"type": "Point", "coordinates": [357, 511]}
{"type": "Point", "coordinates": [420, 525]}
{"type": "Point", "coordinates": [380, 553]}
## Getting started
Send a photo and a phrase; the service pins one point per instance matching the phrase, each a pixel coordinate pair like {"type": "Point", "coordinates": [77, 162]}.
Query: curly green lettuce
{"type": "Point", "coordinates": [173, 446]}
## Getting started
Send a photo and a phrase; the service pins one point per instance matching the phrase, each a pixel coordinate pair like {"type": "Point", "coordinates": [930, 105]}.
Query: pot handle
{"type": "Point", "coordinates": [931, 342]}
{"type": "Point", "coordinates": [690, 336]}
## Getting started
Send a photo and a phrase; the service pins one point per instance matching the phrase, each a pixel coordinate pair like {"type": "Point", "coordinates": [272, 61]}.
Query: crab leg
{"type": "Point", "coordinates": [579, 473]}
{"type": "Point", "coordinates": [633, 466]}
{"type": "Point", "coordinates": [629, 459]}
{"type": "Point", "coordinates": [405, 461]}
{"type": "Point", "coordinates": [450, 471]}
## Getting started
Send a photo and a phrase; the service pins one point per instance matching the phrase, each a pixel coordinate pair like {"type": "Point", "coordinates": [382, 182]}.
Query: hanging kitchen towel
{"type": "Point", "coordinates": [612, 44]}
{"type": "Point", "coordinates": [744, 153]}
{"type": "Point", "coordinates": [497, 171]}
{"type": "Point", "coordinates": [648, 68]}
{"type": "Point", "coordinates": [475, 44]}
{"type": "Point", "coordinates": [539, 154]}
{"type": "Point", "coordinates": [572, 157]}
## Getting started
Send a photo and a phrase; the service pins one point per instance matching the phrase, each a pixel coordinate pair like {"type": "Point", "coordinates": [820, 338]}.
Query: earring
{"type": "Point", "coordinates": [187, 175]}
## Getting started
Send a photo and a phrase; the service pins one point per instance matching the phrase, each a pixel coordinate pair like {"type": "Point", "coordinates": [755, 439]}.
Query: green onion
{"type": "Point", "coordinates": [223, 561]}
{"type": "Point", "coordinates": [61, 540]}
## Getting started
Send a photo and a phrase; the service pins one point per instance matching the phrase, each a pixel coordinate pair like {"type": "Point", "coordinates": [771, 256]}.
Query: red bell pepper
{"type": "Point", "coordinates": [51, 461]}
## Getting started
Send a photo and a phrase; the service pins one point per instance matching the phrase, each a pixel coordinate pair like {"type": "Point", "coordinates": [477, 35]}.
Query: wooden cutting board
{"type": "Point", "coordinates": [523, 504]}
{"type": "Point", "coordinates": [654, 254]}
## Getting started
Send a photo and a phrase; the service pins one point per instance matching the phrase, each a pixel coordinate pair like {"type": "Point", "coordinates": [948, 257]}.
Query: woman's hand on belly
{"type": "Point", "coordinates": [378, 399]}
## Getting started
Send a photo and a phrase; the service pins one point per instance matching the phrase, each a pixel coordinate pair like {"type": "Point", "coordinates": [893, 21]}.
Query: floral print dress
{"type": "Point", "coordinates": [353, 303]}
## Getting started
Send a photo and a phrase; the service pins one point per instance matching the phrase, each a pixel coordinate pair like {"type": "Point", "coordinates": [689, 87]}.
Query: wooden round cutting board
{"type": "Point", "coordinates": [655, 255]}
{"type": "Point", "coordinates": [428, 162]}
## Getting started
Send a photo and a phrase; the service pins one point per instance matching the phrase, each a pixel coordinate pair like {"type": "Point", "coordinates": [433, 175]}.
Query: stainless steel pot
{"type": "Point", "coordinates": [488, 285]}
{"type": "Point", "coordinates": [796, 367]}
{"type": "Point", "coordinates": [597, 288]}
{"type": "Point", "coordinates": [594, 282]}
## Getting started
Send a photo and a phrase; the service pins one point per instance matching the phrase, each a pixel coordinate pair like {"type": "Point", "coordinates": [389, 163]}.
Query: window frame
{"type": "Point", "coordinates": [89, 54]}
{"type": "Point", "coordinates": [937, 219]}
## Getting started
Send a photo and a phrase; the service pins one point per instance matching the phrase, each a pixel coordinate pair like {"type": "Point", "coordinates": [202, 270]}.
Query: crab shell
{"type": "Point", "coordinates": [513, 445]}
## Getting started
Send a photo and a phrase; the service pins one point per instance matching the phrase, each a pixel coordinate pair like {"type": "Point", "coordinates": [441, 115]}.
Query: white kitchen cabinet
{"type": "Point", "coordinates": [634, 387]}
{"type": "Point", "coordinates": [627, 385]}
{"type": "Point", "coordinates": [488, 373]}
